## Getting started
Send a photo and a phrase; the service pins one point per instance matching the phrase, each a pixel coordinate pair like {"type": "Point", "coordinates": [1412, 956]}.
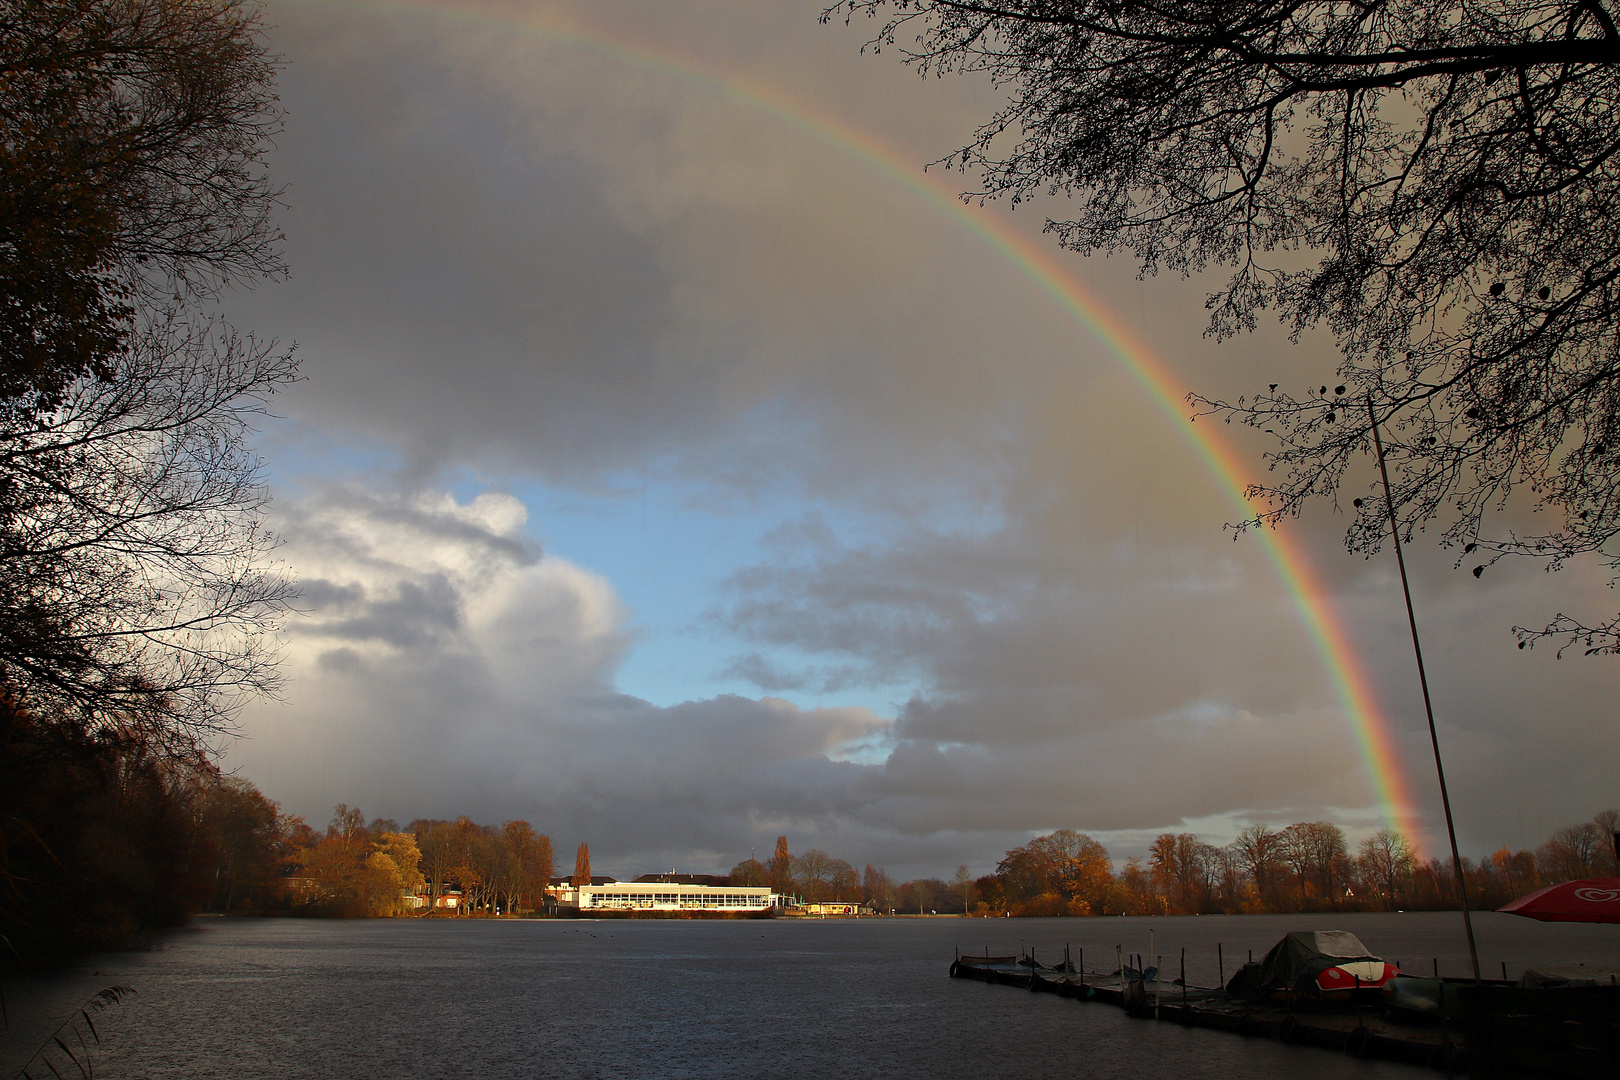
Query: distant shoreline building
{"type": "Point", "coordinates": [655, 892]}
{"type": "Point", "coordinates": [838, 907]}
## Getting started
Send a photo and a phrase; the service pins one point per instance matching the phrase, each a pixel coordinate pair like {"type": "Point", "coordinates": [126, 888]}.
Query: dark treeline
{"type": "Point", "coordinates": [98, 834]}
{"type": "Point", "coordinates": [105, 837]}
{"type": "Point", "coordinates": [1308, 866]}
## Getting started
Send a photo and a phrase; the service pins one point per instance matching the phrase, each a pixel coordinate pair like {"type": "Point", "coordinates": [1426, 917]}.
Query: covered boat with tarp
{"type": "Point", "coordinates": [1321, 965]}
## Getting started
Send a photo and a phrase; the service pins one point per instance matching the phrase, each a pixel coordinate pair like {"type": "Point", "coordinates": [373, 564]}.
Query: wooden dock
{"type": "Point", "coordinates": [1367, 1032]}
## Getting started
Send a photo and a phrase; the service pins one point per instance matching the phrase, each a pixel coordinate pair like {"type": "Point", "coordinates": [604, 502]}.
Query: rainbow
{"type": "Point", "coordinates": [1288, 559]}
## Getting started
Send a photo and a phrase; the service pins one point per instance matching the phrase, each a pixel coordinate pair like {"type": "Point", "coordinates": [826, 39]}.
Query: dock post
{"type": "Point", "coordinates": [1184, 982]}
{"type": "Point", "coordinates": [1158, 983]}
{"type": "Point", "coordinates": [1156, 965]}
{"type": "Point", "coordinates": [1082, 968]}
{"type": "Point", "coordinates": [1119, 960]}
{"type": "Point", "coordinates": [1220, 964]}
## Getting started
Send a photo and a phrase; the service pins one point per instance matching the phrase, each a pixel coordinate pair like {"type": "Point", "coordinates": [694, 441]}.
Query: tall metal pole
{"type": "Point", "coordinates": [1423, 680]}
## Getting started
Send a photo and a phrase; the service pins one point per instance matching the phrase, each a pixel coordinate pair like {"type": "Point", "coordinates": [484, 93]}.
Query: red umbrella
{"type": "Point", "coordinates": [1587, 900]}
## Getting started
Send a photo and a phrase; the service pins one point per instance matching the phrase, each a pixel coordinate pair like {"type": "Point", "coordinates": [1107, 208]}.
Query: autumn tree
{"type": "Point", "coordinates": [1259, 851]}
{"type": "Point", "coordinates": [1028, 874]}
{"type": "Point", "coordinates": [502, 871]}
{"type": "Point", "coordinates": [1062, 873]}
{"type": "Point", "coordinates": [437, 842]}
{"type": "Point", "coordinates": [843, 883]}
{"type": "Point", "coordinates": [348, 822]}
{"type": "Point", "coordinates": [298, 834]}
{"type": "Point", "coordinates": [582, 866]}
{"type": "Point", "coordinates": [750, 873]}
{"type": "Point", "coordinates": [781, 877]}
{"type": "Point", "coordinates": [924, 894]}
{"type": "Point", "coordinates": [813, 875]}
{"type": "Point", "coordinates": [392, 875]}
{"type": "Point", "coordinates": [988, 895]}
{"type": "Point", "coordinates": [531, 852]}
{"type": "Point", "coordinates": [355, 872]}
{"type": "Point", "coordinates": [963, 892]}
{"type": "Point", "coordinates": [1574, 851]}
{"type": "Point", "coordinates": [401, 848]}
{"type": "Point", "coordinates": [1087, 874]}
{"type": "Point", "coordinates": [1315, 851]}
{"type": "Point", "coordinates": [1434, 183]}
{"type": "Point", "coordinates": [1184, 867]}
{"type": "Point", "coordinates": [1516, 870]}
{"type": "Point", "coordinates": [1385, 860]}
{"type": "Point", "coordinates": [541, 866]}
{"type": "Point", "coordinates": [1608, 823]}
{"type": "Point", "coordinates": [1136, 892]}
{"type": "Point", "coordinates": [246, 833]}
{"type": "Point", "coordinates": [476, 864]}
{"type": "Point", "coordinates": [336, 868]}
{"type": "Point", "coordinates": [877, 889]}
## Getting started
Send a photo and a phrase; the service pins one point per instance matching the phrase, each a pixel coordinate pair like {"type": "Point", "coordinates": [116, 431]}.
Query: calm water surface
{"type": "Point", "coordinates": [438, 998]}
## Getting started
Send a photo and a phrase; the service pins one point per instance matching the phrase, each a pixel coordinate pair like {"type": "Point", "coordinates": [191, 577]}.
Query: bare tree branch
{"type": "Point", "coordinates": [1450, 167]}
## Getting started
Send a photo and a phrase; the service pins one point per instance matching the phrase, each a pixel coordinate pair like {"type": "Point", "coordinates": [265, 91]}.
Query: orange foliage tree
{"type": "Point", "coordinates": [582, 866]}
{"type": "Point", "coordinates": [781, 878]}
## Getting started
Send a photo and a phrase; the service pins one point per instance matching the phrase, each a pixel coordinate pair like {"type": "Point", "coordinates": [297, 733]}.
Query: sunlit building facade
{"type": "Point", "coordinates": [667, 896]}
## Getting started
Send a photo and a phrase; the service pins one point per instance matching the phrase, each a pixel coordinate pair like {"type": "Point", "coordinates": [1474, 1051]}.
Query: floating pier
{"type": "Point", "coordinates": [1365, 1031]}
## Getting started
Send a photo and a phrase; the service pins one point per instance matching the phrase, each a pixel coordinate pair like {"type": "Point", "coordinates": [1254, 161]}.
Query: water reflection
{"type": "Point", "coordinates": [296, 998]}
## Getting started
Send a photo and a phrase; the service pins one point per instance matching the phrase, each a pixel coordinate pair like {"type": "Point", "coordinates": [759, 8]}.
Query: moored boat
{"type": "Point", "coordinates": [1324, 966]}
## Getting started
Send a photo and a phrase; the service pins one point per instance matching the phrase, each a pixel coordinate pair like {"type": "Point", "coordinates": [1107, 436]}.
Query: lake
{"type": "Point", "coordinates": [293, 998]}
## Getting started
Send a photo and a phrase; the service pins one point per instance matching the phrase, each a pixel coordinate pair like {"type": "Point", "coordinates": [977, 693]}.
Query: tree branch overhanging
{"type": "Point", "coordinates": [1451, 168]}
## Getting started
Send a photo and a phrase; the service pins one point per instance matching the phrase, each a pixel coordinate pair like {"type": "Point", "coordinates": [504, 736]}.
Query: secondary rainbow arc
{"type": "Point", "coordinates": [1346, 675]}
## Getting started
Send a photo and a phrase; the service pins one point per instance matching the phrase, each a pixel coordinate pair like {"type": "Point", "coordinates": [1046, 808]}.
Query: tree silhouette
{"type": "Point", "coordinates": [135, 591]}
{"type": "Point", "coordinates": [131, 142]}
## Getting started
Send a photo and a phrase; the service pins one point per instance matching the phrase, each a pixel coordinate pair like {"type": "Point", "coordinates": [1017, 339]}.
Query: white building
{"type": "Point", "coordinates": [838, 907]}
{"type": "Point", "coordinates": [666, 896]}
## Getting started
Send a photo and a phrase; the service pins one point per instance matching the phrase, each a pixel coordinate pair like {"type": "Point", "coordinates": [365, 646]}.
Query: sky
{"type": "Point", "coordinates": [677, 464]}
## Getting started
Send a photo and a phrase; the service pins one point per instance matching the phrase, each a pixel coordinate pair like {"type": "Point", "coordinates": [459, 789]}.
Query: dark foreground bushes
{"type": "Point", "coordinates": [102, 840]}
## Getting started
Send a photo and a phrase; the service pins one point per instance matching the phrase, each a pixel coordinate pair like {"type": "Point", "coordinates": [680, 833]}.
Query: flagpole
{"type": "Point", "coordinates": [1423, 680]}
